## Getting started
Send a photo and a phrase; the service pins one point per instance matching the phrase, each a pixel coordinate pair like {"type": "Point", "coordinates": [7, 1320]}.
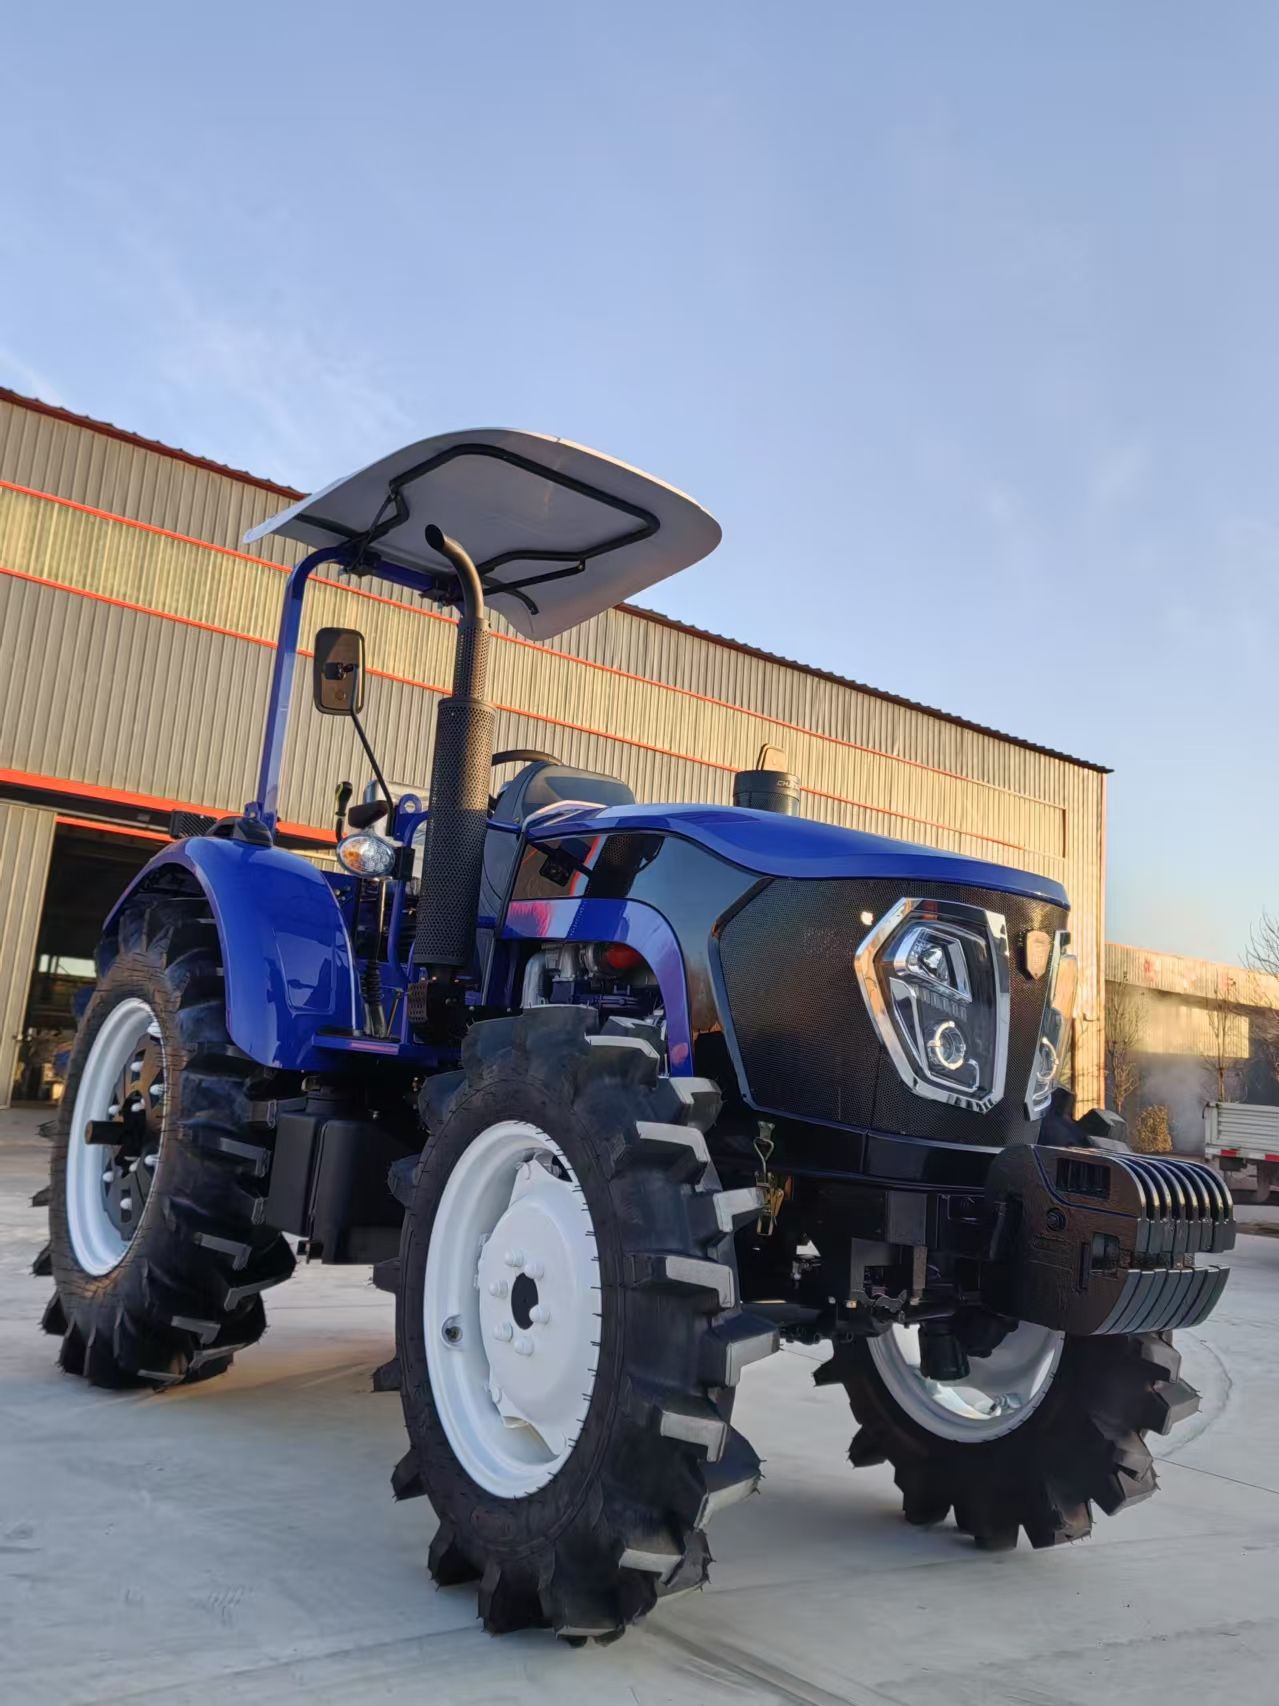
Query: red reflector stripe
{"type": "Point", "coordinates": [1272, 1157]}
{"type": "Point", "coordinates": [1231, 1152]}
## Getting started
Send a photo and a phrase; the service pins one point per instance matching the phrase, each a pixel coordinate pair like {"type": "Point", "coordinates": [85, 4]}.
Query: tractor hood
{"type": "Point", "coordinates": [779, 846]}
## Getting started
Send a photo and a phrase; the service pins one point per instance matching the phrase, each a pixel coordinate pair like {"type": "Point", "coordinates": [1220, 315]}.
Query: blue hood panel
{"type": "Point", "coordinates": [778, 846]}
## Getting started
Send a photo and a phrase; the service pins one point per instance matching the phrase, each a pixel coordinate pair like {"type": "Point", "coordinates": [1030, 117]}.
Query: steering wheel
{"type": "Point", "coordinates": [518, 755]}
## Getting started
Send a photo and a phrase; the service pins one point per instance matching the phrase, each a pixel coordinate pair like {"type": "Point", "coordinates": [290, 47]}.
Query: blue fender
{"type": "Point", "coordinates": [285, 950]}
{"type": "Point", "coordinates": [641, 927]}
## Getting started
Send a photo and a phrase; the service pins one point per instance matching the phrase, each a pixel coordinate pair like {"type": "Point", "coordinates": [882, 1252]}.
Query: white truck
{"type": "Point", "coordinates": [1241, 1140]}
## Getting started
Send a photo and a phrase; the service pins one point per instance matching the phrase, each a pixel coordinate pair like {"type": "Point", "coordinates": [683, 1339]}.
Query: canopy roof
{"type": "Point", "coordinates": [558, 532]}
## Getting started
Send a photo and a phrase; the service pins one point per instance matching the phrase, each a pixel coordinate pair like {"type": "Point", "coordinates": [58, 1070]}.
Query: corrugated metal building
{"type": "Point", "coordinates": [135, 642]}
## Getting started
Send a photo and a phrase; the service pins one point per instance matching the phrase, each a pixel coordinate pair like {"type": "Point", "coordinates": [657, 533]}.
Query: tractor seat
{"type": "Point", "coordinates": [537, 785]}
{"type": "Point", "coordinates": [546, 784]}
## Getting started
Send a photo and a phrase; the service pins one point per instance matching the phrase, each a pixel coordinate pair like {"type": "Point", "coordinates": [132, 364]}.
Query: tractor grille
{"type": "Point", "coordinates": [806, 1041]}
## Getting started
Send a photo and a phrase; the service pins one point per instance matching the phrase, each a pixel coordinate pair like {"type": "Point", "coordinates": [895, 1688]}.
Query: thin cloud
{"type": "Point", "coordinates": [21, 376]}
{"type": "Point", "coordinates": [1119, 475]}
{"type": "Point", "coordinates": [299, 409]}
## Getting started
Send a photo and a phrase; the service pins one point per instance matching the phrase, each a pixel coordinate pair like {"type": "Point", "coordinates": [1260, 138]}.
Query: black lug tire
{"type": "Point", "coordinates": [622, 1523]}
{"type": "Point", "coordinates": [187, 1293]}
{"type": "Point", "coordinates": [1083, 1445]}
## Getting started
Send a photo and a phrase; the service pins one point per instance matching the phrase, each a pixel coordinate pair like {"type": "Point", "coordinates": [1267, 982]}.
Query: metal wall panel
{"type": "Point", "coordinates": [845, 779]}
{"type": "Point", "coordinates": [673, 712]}
{"type": "Point", "coordinates": [26, 842]}
{"type": "Point", "coordinates": [73, 461]}
{"type": "Point", "coordinates": [119, 700]}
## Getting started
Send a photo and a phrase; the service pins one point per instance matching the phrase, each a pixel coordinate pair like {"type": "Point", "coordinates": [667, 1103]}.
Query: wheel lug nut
{"type": "Point", "coordinates": [498, 1288]}
{"type": "Point", "coordinates": [504, 1331]}
{"type": "Point", "coordinates": [523, 1347]}
{"type": "Point", "coordinates": [514, 1258]}
{"type": "Point", "coordinates": [534, 1269]}
{"type": "Point", "coordinates": [539, 1313]}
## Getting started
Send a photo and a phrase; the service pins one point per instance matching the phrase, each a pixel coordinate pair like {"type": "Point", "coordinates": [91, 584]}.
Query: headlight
{"type": "Point", "coordinates": [367, 855]}
{"type": "Point", "coordinates": [934, 975]}
{"type": "Point", "coordinates": [1059, 1007]}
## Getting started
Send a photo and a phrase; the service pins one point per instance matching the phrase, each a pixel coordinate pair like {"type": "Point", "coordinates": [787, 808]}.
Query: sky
{"type": "Point", "coordinates": [960, 318]}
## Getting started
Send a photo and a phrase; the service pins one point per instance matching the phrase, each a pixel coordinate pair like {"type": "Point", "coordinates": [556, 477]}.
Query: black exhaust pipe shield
{"type": "Point", "coordinates": [445, 938]}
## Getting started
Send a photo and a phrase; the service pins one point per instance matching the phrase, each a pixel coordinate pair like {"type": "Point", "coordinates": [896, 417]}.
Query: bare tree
{"type": "Point", "coordinates": [1222, 1052]}
{"type": "Point", "coordinates": [1262, 959]}
{"type": "Point", "coordinates": [1125, 1022]}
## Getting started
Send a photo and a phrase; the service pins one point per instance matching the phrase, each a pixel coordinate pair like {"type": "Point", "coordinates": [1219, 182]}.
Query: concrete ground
{"type": "Point", "coordinates": [238, 1542]}
{"type": "Point", "coordinates": [1253, 1219]}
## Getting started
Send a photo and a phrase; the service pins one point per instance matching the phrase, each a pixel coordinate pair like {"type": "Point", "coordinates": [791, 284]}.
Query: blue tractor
{"type": "Point", "coordinates": [614, 1097]}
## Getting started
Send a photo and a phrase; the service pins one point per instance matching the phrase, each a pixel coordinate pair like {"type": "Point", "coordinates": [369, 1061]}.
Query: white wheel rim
{"type": "Point", "coordinates": [95, 1170]}
{"type": "Point", "coordinates": [999, 1393]}
{"type": "Point", "coordinates": [511, 1309]}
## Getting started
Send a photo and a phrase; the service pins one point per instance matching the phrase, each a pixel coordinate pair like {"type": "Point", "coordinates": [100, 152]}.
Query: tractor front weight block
{"type": "Point", "coordinates": [1091, 1242]}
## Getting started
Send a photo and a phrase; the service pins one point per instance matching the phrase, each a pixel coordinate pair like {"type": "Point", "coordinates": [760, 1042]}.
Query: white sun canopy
{"type": "Point", "coordinates": [525, 507]}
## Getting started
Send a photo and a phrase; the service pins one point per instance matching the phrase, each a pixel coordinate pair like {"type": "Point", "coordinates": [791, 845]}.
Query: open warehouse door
{"type": "Point", "coordinates": [88, 865]}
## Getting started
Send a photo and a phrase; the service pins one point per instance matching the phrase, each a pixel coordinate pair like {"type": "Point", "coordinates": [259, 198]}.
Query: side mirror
{"type": "Point", "coordinates": [337, 680]}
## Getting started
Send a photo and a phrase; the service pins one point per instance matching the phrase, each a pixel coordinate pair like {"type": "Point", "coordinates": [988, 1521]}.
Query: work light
{"type": "Point", "coordinates": [367, 855]}
{"type": "Point", "coordinates": [934, 975]}
{"type": "Point", "coordinates": [1059, 1008]}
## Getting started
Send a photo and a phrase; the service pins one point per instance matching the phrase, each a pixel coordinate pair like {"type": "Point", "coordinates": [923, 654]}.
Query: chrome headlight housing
{"type": "Point", "coordinates": [1054, 1030]}
{"type": "Point", "coordinates": [934, 976]}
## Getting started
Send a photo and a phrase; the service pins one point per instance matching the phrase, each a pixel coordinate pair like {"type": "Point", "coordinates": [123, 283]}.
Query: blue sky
{"type": "Point", "coordinates": [960, 317]}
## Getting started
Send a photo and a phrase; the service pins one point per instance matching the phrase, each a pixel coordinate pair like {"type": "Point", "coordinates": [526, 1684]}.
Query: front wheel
{"type": "Point", "coordinates": [156, 1245]}
{"type": "Point", "coordinates": [567, 1325]}
{"type": "Point", "coordinates": [1036, 1434]}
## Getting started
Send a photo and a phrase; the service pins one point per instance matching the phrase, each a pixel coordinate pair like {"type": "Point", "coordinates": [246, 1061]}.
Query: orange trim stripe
{"type": "Point", "coordinates": [513, 710]}
{"type": "Point", "coordinates": [148, 802]}
{"type": "Point", "coordinates": [105, 429]}
{"type": "Point", "coordinates": [139, 609]}
{"type": "Point", "coordinates": [142, 526]}
{"type": "Point", "coordinates": [531, 645]}
{"type": "Point", "coordinates": [109, 828]}
{"type": "Point", "coordinates": [928, 823]}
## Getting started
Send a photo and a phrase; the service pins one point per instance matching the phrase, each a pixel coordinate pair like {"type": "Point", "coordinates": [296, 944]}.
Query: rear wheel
{"type": "Point", "coordinates": [158, 1179]}
{"type": "Point", "coordinates": [568, 1328]}
{"type": "Point", "coordinates": [1037, 1433]}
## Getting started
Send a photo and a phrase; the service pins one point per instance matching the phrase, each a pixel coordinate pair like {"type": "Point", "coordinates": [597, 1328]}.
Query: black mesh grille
{"type": "Point", "coordinates": [801, 1026]}
{"type": "Point", "coordinates": [183, 824]}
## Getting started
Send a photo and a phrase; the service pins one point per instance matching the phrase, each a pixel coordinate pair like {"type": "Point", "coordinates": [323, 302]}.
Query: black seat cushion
{"type": "Point", "coordinates": [544, 784]}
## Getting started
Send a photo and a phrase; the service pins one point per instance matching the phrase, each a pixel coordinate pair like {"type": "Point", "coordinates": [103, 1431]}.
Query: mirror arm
{"type": "Point", "coordinates": [377, 769]}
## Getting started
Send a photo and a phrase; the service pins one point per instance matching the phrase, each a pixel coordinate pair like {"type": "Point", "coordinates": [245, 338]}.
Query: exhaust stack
{"type": "Point", "coordinates": [450, 893]}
